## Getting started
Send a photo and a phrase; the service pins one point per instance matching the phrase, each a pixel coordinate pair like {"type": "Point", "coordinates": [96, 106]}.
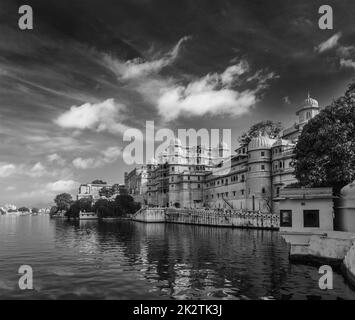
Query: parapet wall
{"type": "Point", "coordinates": [226, 218]}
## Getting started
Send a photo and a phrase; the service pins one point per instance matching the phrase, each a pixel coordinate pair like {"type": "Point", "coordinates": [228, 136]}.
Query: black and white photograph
{"type": "Point", "coordinates": [177, 150]}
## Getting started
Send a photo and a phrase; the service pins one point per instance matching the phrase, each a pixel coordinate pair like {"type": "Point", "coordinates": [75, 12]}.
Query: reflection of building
{"type": "Point", "coordinates": [190, 177]}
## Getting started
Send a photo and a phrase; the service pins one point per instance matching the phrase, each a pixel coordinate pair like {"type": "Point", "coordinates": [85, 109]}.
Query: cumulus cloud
{"type": "Point", "coordinates": [330, 43]}
{"type": "Point", "coordinates": [213, 94]}
{"type": "Point", "coordinates": [347, 63]}
{"type": "Point", "coordinates": [62, 186]}
{"type": "Point", "coordinates": [139, 67]}
{"type": "Point", "coordinates": [99, 117]}
{"type": "Point", "coordinates": [107, 156]}
{"type": "Point", "coordinates": [38, 170]}
{"type": "Point", "coordinates": [56, 158]}
{"type": "Point", "coordinates": [7, 169]}
{"type": "Point", "coordinates": [286, 100]}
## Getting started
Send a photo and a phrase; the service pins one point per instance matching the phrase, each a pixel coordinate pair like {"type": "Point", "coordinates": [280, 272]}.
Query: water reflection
{"type": "Point", "coordinates": [131, 260]}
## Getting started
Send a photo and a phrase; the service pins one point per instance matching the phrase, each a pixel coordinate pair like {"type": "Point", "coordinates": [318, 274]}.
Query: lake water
{"type": "Point", "coordinates": [132, 260]}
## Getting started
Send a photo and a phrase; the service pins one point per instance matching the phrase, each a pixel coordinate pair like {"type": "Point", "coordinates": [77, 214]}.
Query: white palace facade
{"type": "Point", "coordinates": [188, 177]}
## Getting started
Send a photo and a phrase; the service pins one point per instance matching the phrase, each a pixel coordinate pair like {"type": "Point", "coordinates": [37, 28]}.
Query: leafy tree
{"type": "Point", "coordinates": [127, 204]}
{"type": "Point", "coordinates": [83, 204]}
{"type": "Point", "coordinates": [325, 152]}
{"type": "Point", "coordinates": [74, 210]}
{"type": "Point", "coordinates": [107, 192]}
{"type": "Point", "coordinates": [97, 181]}
{"type": "Point", "coordinates": [269, 127]}
{"type": "Point", "coordinates": [35, 210]}
{"type": "Point", "coordinates": [63, 201]}
{"type": "Point", "coordinates": [53, 211]}
{"type": "Point", "coordinates": [23, 209]}
{"type": "Point", "coordinates": [105, 208]}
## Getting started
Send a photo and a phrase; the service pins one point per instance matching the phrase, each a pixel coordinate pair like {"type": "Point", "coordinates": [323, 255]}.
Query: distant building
{"type": "Point", "coordinates": [92, 191]}
{"type": "Point", "coordinates": [182, 176]}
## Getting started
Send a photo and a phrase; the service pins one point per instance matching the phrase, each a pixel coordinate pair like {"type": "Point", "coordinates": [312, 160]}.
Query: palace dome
{"type": "Point", "coordinates": [348, 191]}
{"type": "Point", "coordinates": [260, 142]}
{"type": "Point", "coordinates": [310, 102]}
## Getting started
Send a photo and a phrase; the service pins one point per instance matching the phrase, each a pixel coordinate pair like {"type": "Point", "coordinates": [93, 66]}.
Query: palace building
{"type": "Point", "coordinates": [193, 177]}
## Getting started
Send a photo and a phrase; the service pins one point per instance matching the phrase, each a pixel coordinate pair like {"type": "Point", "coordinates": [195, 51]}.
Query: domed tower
{"type": "Point", "coordinates": [259, 180]}
{"type": "Point", "coordinates": [308, 110]}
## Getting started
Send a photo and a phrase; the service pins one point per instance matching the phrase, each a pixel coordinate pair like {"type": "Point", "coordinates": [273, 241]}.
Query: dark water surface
{"type": "Point", "coordinates": [132, 260]}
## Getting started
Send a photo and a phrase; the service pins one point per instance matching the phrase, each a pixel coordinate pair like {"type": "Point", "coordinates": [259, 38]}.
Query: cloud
{"type": "Point", "coordinates": [213, 94]}
{"type": "Point", "coordinates": [107, 156]}
{"type": "Point", "coordinates": [10, 188]}
{"type": "Point", "coordinates": [139, 67]}
{"type": "Point", "coordinates": [286, 100]}
{"type": "Point", "coordinates": [99, 117]}
{"type": "Point", "coordinates": [55, 158]}
{"type": "Point", "coordinates": [62, 186]}
{"type": "Point", "coordinates": [7, 169]}
{"type": "Point", "coordinates": [329, 44]}
{"type": "Point", "coordinates": [38, 170]}
{"type": "Point", "coordinates": [347, 63]}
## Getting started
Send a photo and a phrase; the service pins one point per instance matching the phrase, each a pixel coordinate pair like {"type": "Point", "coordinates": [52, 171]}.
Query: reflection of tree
{"type": "Point", "coordinates": [189, 261]}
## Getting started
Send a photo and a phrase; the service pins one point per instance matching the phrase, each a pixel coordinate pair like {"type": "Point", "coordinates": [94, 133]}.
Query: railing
{"type": "Point", "coordinates": [213, 217]}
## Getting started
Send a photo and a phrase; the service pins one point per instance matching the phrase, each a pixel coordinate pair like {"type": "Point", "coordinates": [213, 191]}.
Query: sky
{"type": "Point", "coordinates": [90, 70]}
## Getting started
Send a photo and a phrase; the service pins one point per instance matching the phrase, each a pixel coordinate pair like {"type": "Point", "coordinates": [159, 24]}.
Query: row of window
{"type": "Point", "coordinates": [225, 181]}
{"type": "Point", "coordinates": [310, 218]}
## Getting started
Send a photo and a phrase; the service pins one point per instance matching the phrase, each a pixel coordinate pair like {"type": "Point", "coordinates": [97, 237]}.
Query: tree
{"type": "Point", "coordinates": [107, 192]}
{"type": "Point", "coordinates": [325, 152]}
{"type": "Point", "coordinates": [105, 208]}
{"type": "Point", "coordinates": [24, 209]}
{"type": "Point", "coordinates": [97, 181]}
{"type": "Point", "coordinates": [126, 204]}
{"type": "Point", "coordinates": [63, 201]}
{"type": "Point", "coordinates": [83, 204]}
{"type": "Point", "coordinates": [53, 211]}
{"type": "Point", "coordinates": [35, 210]}
{"type": "Point", "coordinates": [269, 127]}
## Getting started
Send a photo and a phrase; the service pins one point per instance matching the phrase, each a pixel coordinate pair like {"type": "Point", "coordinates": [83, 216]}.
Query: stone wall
{"type": "Point", "coordinates": [225, 218]}
{"type": "Point", "coordinates": [349, 264]}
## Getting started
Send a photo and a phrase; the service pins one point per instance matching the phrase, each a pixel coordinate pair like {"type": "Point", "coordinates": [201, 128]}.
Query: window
{"type": "Point", "coordinates": [277, 191]}
{"type": "Point", "coordinates": [262, 167]}
{"type": "Point", "coordinates": [234, 193]}
{"type": "Point", "coordinates": [311, 218]}
{"type": "Point", "coordinates": [263, 190]}
{"type": "Point", "coordinates": [198, 186]}
{"type": "Point", "coordinates": [242, 192]}
{"type": "Point", "coordinates": [285, 218]}
{"type": "Point", "coordinates": [263, 153]}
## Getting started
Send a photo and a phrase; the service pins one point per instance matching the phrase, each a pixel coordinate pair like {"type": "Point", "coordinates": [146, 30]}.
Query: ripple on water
{"type": "Point", "coordinates": [128, 260]}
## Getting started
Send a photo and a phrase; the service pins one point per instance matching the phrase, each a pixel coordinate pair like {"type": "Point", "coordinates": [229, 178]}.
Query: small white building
{"type": "Point", "coordinates": [306, 209]}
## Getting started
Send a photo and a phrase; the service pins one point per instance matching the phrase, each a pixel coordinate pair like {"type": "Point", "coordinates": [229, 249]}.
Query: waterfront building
{"type": "Point", "coordinates": [190, 177]}
{"type": "Point", "coordinates": [306, 209]}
